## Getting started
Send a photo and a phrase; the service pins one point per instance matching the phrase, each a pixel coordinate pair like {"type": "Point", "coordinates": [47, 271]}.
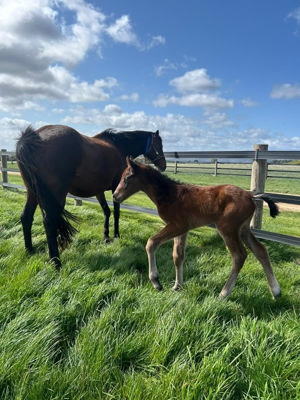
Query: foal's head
{"type": "Point", "coordinates": [130, 182]}
{"type": "Point", "coordinates": [154, 151]}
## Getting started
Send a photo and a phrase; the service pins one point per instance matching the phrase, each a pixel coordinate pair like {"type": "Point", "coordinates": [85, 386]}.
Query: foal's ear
{"type": "Point", "coordinates": [157, 133]}
{"type": "Point", "coordinates": [130, 163]}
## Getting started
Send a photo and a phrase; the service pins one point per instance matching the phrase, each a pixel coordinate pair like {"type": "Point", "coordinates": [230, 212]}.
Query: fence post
{"type": "Point", "coordinates": [78, 202]}
{"type": "Point", "coordinates": [258, 180]}
{"type": "Point", "coordinates": [4, 158]}
{"type": "Point", "coordinates": [216, 166]}
{"type": "Point", "coordinates": [175, 168]}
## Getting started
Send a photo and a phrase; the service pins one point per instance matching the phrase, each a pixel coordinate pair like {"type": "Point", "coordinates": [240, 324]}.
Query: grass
{"type": "Point", "coordinates": [98, 330]}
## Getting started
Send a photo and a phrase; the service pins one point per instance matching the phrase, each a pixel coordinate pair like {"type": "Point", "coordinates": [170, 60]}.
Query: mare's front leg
{"type": "Point", "coordinates": [166, 234]}
{"type": "Point", "coordinates": [116, 219]}
{"type": "Point", "coordinates": [106, 211]}
{"type": "Point", "coordinates": [27, 219]}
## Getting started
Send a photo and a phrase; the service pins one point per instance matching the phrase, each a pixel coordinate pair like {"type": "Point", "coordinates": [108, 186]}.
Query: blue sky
{"type": "Point", "coordinates": [210, 75]}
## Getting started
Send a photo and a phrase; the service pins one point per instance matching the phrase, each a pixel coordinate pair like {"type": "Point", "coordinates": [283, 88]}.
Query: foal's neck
{"type": "Point", "coordinates": [160, 188]}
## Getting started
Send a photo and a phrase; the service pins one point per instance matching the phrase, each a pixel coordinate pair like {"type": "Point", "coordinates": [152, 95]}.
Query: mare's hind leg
{"type": "Point", "coordinates": [27, 219]}
{"type": "Point", "coordinates": [261, 253]}
{"type": "Point", "coordinates": [178, 257]}
{"type": "Point", "coordinates": [238, 254]}
{"type": "Point", "coordinates": [51, 234]}
{"type": "Point", "coordinates": [106, 211]}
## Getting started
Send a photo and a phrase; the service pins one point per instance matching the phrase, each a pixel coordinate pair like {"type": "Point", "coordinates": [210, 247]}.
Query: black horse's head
{"type": "Point", "coordinates": [154, 151]}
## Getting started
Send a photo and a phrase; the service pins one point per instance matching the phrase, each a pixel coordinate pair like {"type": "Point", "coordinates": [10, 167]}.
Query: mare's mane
{"type": "Point", "coordinates": [121, 137]}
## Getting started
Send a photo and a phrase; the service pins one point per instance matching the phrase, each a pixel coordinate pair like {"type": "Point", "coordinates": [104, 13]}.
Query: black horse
{"type": "Point", "coordinates": [56, 159]}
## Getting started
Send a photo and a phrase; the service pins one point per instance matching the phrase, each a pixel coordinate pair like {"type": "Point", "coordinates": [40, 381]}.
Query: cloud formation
{"type": "Point", "coordinates": [39, 49]}
{"type": "Point", "coordinates": [286, 91]}
{"type": "Point", "coordinates": [196, 89]}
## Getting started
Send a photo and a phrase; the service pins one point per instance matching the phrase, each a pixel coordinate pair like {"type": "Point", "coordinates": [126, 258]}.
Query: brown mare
{"type": "Point", "coordinates": [56, 159]}
{"type": "Point", "coordinates": [184, 207]}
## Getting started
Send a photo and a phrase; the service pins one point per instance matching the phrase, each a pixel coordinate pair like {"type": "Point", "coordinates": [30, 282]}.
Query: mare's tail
{"type": "Point", "coordinates": [28, 145]}
{"type": "Point", "coordinates": [274, 211]}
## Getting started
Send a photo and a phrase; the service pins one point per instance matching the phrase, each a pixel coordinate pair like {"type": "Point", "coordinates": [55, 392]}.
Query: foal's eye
{"type": "Point", "coordinates": [127, 178]}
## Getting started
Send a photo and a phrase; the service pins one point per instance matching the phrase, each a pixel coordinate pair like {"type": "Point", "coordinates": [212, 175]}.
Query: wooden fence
{"type": "Point", "coordinates": [259, 172]}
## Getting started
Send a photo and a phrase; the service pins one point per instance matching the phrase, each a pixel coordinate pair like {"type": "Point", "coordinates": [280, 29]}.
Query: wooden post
{"type": "Point", "coordinates": [258, 180]}
{"type": "Point", "coordinates": [4, 158]}
{"type": "Point", "coordinates": [175, 169]}
{"type": "Point", "coordinates": [216, 166]}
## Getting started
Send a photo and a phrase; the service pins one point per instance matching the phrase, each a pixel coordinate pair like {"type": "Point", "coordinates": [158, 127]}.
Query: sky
{"type": "Point", "coordinates": [209, 74]}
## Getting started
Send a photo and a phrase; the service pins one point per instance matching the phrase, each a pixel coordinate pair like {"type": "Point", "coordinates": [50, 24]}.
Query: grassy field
{"type": "Point", "coordinates": [98, 330]}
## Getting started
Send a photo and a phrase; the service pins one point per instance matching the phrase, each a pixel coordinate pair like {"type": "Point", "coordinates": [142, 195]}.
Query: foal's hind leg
{"type": "Point", "coordinates": [106, 210]}
{"type": "Point", "coordinates": [27, 219]}
{"type": "Point", "coordinates": [261, 253]}
{"type": "Point", "coordinates": [178, 257]}
{"type": "Point", "coordinates": [238, 254]}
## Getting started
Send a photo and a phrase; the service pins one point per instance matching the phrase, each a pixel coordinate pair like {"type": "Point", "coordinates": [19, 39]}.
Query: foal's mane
{"type": "Point", "coordinates": [165, 187]}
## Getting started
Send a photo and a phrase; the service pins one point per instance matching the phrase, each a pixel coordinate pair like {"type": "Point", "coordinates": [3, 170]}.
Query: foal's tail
{"type": "Point", "coordinates": [274, 211]}
{"type": "Point", "coordinates": [28, 145]}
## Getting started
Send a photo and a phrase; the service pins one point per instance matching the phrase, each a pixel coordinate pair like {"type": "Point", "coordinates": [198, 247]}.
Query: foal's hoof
{"type": "Point", "coordinates": [106, 240]}
{"type": "Point", "coordinates": [276, 295]}
{"type": "Point", "coordinates": [156, 284]}
{"type": "Point", "coordinates": [177, 287]}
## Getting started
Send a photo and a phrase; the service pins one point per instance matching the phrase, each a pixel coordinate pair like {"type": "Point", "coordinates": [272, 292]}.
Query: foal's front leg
{"type": "Point", "coordinates": [166, 234]}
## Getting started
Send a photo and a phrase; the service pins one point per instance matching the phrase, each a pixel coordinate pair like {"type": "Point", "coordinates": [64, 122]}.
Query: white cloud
{"type": "Point", "coordinates": [204, 100]}
{"type": "Point", "coordinates": [196, 89]}
{"type": "Point", "coordinates": [218, 120]}
{"type": "Point", "coordinates": [295, 14]}
{"type": "Point", "coordinates": [247, 102]}
{"type": "Point", "coordinates": [166, 66]}
{"type": "Point", "coordinates": [10, 131]}
{"type": "Point", "coordinates": [195, 81]}
{"type": "Point", "coordinates": [54, 83]}
{"type": "Point", "coordinates": [156, 41]}
{"type": "Point", "coordinates": [121, 31]}
{"type": "Point", "coordinates": [286, 91]}
{"type": "Point", "coordinates": [180, 132]}
{"type": "Point", "coordinates": [134, 97]}
{"type": "Point", "coordinates": [39, 46]}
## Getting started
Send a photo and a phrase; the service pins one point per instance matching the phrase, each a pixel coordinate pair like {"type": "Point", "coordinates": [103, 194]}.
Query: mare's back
{"type": "Point", "coordinates": [60, 150]}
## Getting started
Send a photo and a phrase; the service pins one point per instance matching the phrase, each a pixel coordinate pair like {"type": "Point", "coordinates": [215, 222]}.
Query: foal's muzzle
{"type": "Point", "coordinates": [115, 198]}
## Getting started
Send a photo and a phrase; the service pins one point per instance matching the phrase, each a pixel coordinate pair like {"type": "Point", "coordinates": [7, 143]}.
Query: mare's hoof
{"type": "Point", "coordinates": [30, 251]}
{"type": "Point", "coordinates": [107, 240]}
{"type": "Point", "coordinates": [57, 263]}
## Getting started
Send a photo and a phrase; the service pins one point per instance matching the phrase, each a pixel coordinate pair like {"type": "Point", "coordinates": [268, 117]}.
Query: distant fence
{"type": "Point", "coordinates": [216, 168]}
{"type": "Point", "coordinates": [259, 172]}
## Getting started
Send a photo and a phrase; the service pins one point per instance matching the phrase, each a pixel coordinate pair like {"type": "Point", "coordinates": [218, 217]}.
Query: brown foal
{"type": "Point", "coordinates": [184, 207]}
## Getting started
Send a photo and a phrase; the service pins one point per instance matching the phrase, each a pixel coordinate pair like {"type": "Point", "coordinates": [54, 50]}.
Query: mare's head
{"type": "Point", "coordinates": [130, 182]}
{"type": "Point", "coordinates": [154, 151]}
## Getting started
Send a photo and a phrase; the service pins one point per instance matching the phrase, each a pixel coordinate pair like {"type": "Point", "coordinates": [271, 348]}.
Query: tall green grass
{"type": "Point", "coordinates": [98, 330]}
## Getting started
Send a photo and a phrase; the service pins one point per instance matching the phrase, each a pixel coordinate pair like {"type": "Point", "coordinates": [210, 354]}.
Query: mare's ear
{"type": "Point", "coordinates": [157, 133]}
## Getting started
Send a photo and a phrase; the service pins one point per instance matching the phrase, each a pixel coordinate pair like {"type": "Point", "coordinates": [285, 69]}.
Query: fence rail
{"type": "Point", "coordinates": [258, 175]}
